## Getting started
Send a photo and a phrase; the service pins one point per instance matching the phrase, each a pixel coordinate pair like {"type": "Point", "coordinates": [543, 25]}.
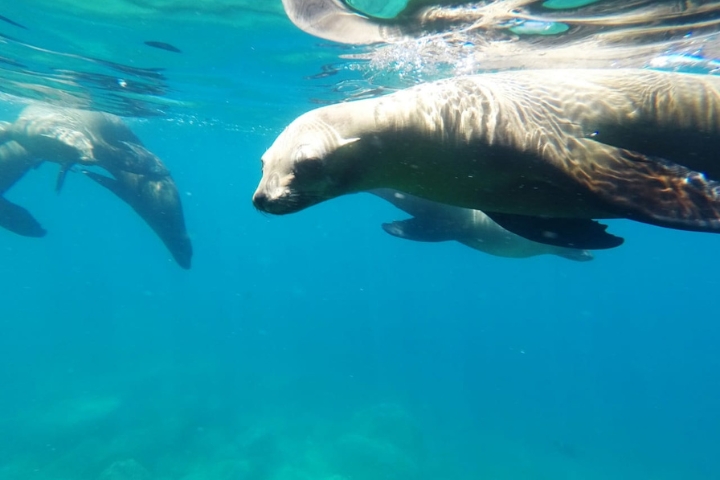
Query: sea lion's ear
{"type": "Point", "coordinates": [348, 141]}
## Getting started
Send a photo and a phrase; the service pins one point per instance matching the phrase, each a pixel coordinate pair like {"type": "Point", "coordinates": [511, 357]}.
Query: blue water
{"type": "Point", "coordinates": [314, 346]}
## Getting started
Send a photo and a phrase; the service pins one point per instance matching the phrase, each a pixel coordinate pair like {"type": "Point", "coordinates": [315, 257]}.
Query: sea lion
{"type": "Point", "coordinates": [435, 222]}
{"type": "Point", "coordinates": [70, 136]}
{"type": "Point", "coordinates": [541, 152]}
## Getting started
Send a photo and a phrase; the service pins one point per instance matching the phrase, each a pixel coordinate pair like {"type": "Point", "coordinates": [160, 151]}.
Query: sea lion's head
{"type": "Point", "coordinates": [309, 162]}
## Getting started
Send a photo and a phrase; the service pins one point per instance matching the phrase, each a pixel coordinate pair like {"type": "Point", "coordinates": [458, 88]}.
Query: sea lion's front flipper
{"type": "Point", "coordinates": [562, 232]}
{"type": "Point", "coordinates": [422, 230]}
{"type": "Point", "coordinates": [18, 220]}
{"type": "Point", "coordinates": [646, 189]}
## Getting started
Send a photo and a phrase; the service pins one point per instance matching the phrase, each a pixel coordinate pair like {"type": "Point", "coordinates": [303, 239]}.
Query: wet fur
{"type": "Point", "coordinates": [556, 143]}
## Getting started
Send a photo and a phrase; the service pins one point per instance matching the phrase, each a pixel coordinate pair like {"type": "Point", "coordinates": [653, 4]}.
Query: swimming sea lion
{"type": "Point", "coordinates": [435, 222]}
{"type": "Point", "coordinates": [68, 136]}
{"type": "Point", "coordinates": [541, 152]}
{"type": "Point", "coordinates": [72, 136]}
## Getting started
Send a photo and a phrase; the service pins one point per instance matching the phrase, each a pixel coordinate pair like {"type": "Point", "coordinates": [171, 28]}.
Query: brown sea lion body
{"type": "Point", "coordinates": [567, 144]}
{"type": "Point", "coordinates": [68, 136]}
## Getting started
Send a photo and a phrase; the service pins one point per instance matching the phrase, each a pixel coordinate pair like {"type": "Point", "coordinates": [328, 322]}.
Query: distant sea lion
{"type": "Point", "coordinates": [72, 136]}
{"type": "Point", "coordinates": [541, 152]}
{"type": "Point", "coordinates": [435, 222]}
{"type": "Point", "coordinates": [69, 136]}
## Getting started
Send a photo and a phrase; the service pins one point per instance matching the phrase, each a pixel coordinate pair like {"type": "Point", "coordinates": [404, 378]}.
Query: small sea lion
{"type": "Point", "coordinates": [541, 152]}
{"type": "Point", "coordinates": [435, 222]}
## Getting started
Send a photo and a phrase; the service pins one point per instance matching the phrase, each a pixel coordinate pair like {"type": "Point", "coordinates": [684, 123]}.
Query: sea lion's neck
{"type": "Point", "coordinates": [440, 152]}
{"type": "Point", "coordinates": [405, 142]}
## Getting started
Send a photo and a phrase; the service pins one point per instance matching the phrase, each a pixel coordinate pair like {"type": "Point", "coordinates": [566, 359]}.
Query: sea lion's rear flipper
{"type": "Point", "coordinates": [18, 220]}
{"type": "Point", "coordinates": [562, 232]}
{"type": "Point", "coordinates": [646, 189]}
{"type": "Point", "coordinates": [158, 204]}
{"type": "Point", "coordinates": [421, 230]}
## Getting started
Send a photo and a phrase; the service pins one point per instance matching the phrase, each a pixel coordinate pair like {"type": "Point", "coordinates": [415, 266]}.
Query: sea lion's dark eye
{"type": "Point", "coordinates": [309, 168]}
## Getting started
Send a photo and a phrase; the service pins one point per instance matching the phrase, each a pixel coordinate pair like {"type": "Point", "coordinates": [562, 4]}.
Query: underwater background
{"type": "Point", "coordinates": [313, 346]}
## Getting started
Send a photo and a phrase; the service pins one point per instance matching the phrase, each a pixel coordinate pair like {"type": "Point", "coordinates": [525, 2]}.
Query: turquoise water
{"type": "Point", "coordinates": [314, 346]}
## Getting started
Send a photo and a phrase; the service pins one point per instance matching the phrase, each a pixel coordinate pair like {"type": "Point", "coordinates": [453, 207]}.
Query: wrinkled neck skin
{"type": "Point", "coordinates": [390, 142]}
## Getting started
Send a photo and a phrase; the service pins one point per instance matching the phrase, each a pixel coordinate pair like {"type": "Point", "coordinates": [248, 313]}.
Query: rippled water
{"type": "Point", "coordinates": [117, 59]}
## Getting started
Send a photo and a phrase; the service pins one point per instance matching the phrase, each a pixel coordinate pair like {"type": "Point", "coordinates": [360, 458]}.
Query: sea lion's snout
{"type": "Point", "coordinates": [268, 194]}
{"type": "Point", "coordinates": [274, 195]}
{"type": "Point", "coordinates": [260, 200]}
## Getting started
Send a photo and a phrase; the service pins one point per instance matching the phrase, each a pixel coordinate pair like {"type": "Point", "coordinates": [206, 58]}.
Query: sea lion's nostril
{"type": "Point", "coordinates": [260, 200]}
